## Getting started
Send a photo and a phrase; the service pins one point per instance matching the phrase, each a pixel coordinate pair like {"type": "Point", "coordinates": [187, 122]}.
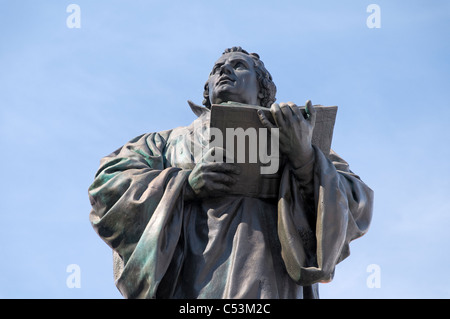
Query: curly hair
{"type": "Point", "coordinates": [267, 87]}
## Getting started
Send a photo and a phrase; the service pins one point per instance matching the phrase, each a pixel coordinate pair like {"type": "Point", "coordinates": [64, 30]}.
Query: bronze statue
{"type": "Point", "coordinates": [175, 230]}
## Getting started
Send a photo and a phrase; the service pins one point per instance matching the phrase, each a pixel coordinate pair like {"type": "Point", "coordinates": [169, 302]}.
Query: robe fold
{"type": "Point", "coordinates": [228, 247]}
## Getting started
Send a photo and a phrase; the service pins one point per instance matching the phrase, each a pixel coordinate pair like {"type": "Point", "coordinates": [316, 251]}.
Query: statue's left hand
{"type": "Point", "coordinates": [295, 131]}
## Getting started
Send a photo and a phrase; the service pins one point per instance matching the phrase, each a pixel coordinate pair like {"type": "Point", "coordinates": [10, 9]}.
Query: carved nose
{"type": "Point", "coordinates": [225, 69]}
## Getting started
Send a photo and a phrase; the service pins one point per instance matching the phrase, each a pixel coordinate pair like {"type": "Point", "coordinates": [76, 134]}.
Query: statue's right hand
{"type": "Point", "coordinates": [211, 178]}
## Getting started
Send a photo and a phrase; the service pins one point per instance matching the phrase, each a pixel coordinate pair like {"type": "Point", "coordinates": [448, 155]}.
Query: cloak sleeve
{"type": "Point", "coordinates": [315, 232]}
{"type": "Point", "coordinates": [137, 210]}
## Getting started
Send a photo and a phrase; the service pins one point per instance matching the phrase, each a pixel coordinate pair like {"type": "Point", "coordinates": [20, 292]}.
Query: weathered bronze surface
{"type": "Point", "coordinates": [176, 232]}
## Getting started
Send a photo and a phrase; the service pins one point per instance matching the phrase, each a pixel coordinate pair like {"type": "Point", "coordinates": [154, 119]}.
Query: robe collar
{"type": "Point", "coordinates": [197, 109]}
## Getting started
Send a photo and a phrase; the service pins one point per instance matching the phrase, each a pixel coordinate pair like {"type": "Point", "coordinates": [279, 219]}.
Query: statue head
{"type": "Point", "coordinates": [241, 77]}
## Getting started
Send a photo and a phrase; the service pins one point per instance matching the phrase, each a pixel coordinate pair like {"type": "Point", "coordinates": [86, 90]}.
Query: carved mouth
{"type": "Point", "coordinates": [225, 80]}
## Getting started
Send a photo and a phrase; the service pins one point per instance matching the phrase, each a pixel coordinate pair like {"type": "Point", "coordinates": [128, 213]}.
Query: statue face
{"type": "Point", "coordinates": [234, 78]}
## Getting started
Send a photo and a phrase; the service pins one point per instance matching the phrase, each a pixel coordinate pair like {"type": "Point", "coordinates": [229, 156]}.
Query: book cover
{"type": "Point", "coordinates": [254, 149]}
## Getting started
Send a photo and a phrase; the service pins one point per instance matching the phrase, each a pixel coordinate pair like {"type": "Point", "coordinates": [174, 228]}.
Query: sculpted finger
{"type": "Point", "coordinates": [292, 105]}
{"type": "Point", "coordinates": [312, 111]}
{"type": "Point", "coordinates": [298, 113]}
{"type": "Point", "coordinates": [286, 111]}
{"type": "Point", "coordinates": [222, 168]}
{"type": "Point", "coordinates": [277, 115]}
{"type": "Point", "coordinates": [219, 178]}
{"type": "Point", "coordinates": [264, 120]}
{"type": "Point", "coordinates": [219, 187]}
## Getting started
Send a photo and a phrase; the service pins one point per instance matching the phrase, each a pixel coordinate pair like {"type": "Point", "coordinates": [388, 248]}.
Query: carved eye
{"type": "Point", "coordinates": [240, 65]}
{"type": "Point", "coordinates": [216, 69]}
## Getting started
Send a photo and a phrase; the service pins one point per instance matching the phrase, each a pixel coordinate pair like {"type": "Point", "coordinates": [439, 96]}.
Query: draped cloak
{"type": "Point", "coordinates": [227, 247]}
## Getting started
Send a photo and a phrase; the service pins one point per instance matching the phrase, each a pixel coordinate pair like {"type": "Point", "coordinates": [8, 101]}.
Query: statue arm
{"type": "Point", "coordinates": [135, 210]}
{"type": "Point", "coordinates": [317, 221]}
{"type": "Point", "coordinates": [121, 190]}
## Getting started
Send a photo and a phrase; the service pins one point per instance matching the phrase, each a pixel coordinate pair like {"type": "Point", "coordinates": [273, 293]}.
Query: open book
{"type": "Point", "coordinates": [255, 149]}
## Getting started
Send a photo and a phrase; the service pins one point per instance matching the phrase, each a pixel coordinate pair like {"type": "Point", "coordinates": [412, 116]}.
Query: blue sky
{"type": "Point", "coordinates": [71, 96]}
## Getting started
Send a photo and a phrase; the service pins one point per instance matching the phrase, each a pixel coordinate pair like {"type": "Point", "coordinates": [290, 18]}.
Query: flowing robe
{"type": "Point", "coordinates": [228, 247]}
